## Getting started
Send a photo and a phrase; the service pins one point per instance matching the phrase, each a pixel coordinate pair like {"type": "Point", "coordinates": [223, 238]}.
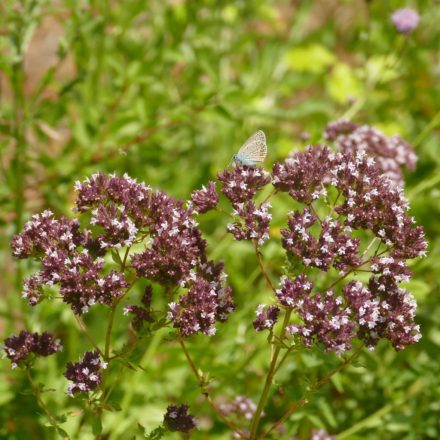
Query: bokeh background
{"type": "Point", "coordinates": [166, 91]}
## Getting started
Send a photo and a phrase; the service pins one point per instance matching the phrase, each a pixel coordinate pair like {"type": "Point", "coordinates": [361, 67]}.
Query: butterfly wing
{"type": "Point", "coordinates": [254, 150]}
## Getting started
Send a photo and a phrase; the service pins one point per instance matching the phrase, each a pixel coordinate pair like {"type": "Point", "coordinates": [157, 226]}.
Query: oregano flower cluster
{"type": "Point", "coordinates": [392, 153]}
{"type": "Point", "coordinates": [346, 215]}
{"type": "Point", "coordinates": [353, 218]}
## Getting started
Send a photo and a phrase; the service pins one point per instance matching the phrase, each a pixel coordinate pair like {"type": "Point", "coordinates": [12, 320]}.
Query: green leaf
{"type": "Point", "coordinates": [418, 288]}
{"type": "Point", "coordinates": [62, 433]}
{"type": "Point", "coordinates": [312, 58]}
{"type": "Point", "coordinates": [96, 426]}
{"type": "Point", "coordinates": [156, 434]}
{"type": "Point", "coordinates": [343, 83]}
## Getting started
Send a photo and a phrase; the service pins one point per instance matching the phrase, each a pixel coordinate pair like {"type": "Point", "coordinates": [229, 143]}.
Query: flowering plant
{"type": "Point", "coordinates": [346, 236]}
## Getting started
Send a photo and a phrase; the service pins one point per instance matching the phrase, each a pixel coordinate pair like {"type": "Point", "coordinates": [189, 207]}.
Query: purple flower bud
{"type": "Point", "coordinates": [132, 198]}
{"type": "Point", "coordinates": [338, 128]}
{"type": "Point", "coordinates": [320, 434]}
{"type": "Point", "coordinates": [292, 292]}
{"type": "Point", "coordinates": [198, 310]}
{"type": "Point", "coordinates": [266, 317]}
{"type": "Point", "coordinates": [86, 374]}
{"type": "Point", "coordinates": [19, 348]}
{"type": "Point", "coordinates": [303, 173]}
{"type": "Point", "coordinates": [177, 418]}
{"type": "Point", "coordinates": [405, 20]}
{"type": "Point", "coordinates": [326, 321]}
{"type": "Point", "coordinates": [141, 314]}
{"type": "Point", "coordinates": [333, 247]}
{"type": "Point", "coordinates": [242, 407]}
{"type": "Point", "coordinates": [252, 223]}
{"type": "Point", "coordinates": [241, 183]}
{"type": "Point", "coordinates": [205, 199]}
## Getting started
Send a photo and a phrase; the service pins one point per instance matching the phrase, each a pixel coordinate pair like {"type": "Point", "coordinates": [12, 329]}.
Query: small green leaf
{"type": "Point", "coordinates": [96, 426]}
{"type": "Point", "coordinates": [312, 58]}
{"type": "Point", "coordinates": [156, 434]}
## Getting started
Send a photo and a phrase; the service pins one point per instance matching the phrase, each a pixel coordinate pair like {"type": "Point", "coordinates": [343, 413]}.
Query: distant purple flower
{"type": "Point", "coordinates": [205, 199]}
{"type": "Point", "coordinates": [177, 418]}
{"type": "Point", "coordinates": [241, 407]}
{"type": "Point", "coordinates": [241, 183]}
{"type": "Point", "coordinates": [320, 434]}
{"type": "Point", "coordinates": [19, 348]}
{"type": "Point", "coordinates": [405, 20]}
{"type": "Point", "coordinates": [266, 317]}
{"type": "Point", "coordinates": [391, 154]}
{"type": "Point", "coordinates": [304, 136]}
{"type": "Point", "coordinates": [334, 129]}
{"type": "Point", "coordinates": [85, 375]}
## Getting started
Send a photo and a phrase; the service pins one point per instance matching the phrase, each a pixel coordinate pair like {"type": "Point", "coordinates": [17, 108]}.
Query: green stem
{"type": "Point", "coordinates": [269, 379]}
{"type": "Point", "coordinates": [435, 122]}
{"type": "Point", "coordinates": [262, 268]}
{"type": "Point", "coordinates": [424, 185]}
{"type": "Point", "coordinates": [203, 386]}
{"type": "Point", "coordinates": [40, 401]}
{"type": "Point", "coordinates": [131, 388]}
{"type": "Point", "coordinates": [372, 418]}
{"type": "Point", "coordinates": [108, 334]}
{"type": "Point", "coordinates": [305, 399]}
{"type": "Point", "coordinates": [19, 115]}
{"type": "Point", "coordinates": [87, 334]}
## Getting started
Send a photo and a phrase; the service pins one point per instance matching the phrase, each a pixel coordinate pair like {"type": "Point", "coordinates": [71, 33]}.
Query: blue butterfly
{"type": "Point", "coordinates": [253, 151]}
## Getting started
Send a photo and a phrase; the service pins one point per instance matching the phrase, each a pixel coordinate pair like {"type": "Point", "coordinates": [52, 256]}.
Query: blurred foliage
{"type": "Point", "coordinates": [166, 91]}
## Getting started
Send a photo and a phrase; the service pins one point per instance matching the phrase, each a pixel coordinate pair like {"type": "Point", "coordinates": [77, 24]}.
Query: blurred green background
{"type": "Point", "coordinates": [167, 90]}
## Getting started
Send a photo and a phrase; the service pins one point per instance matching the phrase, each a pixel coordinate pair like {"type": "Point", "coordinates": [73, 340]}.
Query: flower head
{"type": "Point", "coordinates": [200, 308]}
{"type": "Point", "coordinates": [405, 20]}
{"type": "Point", "coordinates": [251, 223]}
{"type": "Point", "coordinates": [19, 348]}
{"type": "Point", "coordinates": [266, 317]}
{"type": "Point", "coordinates": [302, 173]}
{"type": "Point", "coordinates": [177, 418]}
{"type": "Point", "coordinates": [86, 374]}
{"type": "Point", "coordinates": [325, 320]}
{"type": "Point", "coordinates": [241, 183]}
{"type": "Point", "coordinates": [391, 154]}
{"type": "Point", "coordinates": [142, 313]}
{"type": "Point", "coordinates": [205, 199]}
{"type": "Point", "coordinates": [241, 407]}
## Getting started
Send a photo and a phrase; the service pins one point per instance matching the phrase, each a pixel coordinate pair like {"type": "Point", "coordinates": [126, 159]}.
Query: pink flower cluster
{"type": "Point", "coordinates": [121, 213]}
{"type": "Point", "coordinates": [86, 374]}
{"type": "Point", "coordinates": [364, 204]}
{"type": "Point", "coordinates": [19, 349]}
{"type": "Point", "coordinates": [392, 154]}
{"type": "Point", "coordinates": [239, 185]}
